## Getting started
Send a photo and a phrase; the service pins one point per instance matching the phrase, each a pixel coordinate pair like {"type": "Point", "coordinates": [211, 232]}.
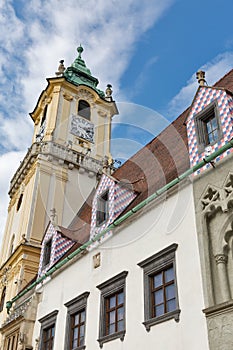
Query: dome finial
{"type": "Point", "coordinates": [80, 50]}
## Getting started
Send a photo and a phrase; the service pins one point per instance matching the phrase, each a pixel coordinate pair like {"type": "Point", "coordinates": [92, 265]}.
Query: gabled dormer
{"type": "Point", "coordinates": [209, 122]}
{"type": "Point", "coordinates": [111, 198]}
{"type": "Point", "coordinates": [54, 246]}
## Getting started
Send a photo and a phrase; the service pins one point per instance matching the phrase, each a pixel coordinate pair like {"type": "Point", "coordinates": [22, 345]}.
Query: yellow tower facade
{"type": "Point", "coordinates": [70, 146]}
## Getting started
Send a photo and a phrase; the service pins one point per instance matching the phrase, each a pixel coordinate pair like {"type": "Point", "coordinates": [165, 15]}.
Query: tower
{"type": "Point", "coordinates": [71, 142]}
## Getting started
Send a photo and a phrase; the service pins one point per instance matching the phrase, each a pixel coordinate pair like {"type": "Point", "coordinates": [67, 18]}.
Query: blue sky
{"type": "Point", "coordinates": [149, 50]}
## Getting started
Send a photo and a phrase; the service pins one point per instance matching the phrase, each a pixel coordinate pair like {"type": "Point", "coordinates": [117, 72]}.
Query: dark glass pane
{"type": "Point", "coordinates": [120, 298]}
{"type": "Point", "coordinates": [210, 138]}
{"type": "Point", "coordinates": [169, 275]}
{"type": "Point", "coordinates": [215, 135]}
{"type": "Point", "coordinates": [158, 280]}
{"type": "Point", "coordinates": [112, 302]}
{"type": "Point", "coordinates": [74, 344]}
{"type": "Point", "coordinates": [208, 127]}
{"type": "Point", "coordinates": [158, 295]}
{"type": "Point", "coordinates": [214, 123]}
{"type": "Point", "coordinates": [120, 326]}
{"type": "Point", "coordinates": [170, 292]}
{"type": "Point", "coordinates": [76, 319]}
{"type": "Point", "coordinates": [83, 316]}
{"type": "Point", "coordinates": [112, 317]}
{"type": "Point", "coordinates": [111, 328]}
{"type": "Point", "coordinates": [75, 333]}
{"type": "Point", "coordinates": [120, 313]}
{"type": "Point", "coordinates": [81, 341]}
{"type": "Point", "coordinates": [171, 305]}
{"type": "Point", "coordinates": [82, 331]}
{"type": "Point", "coordinates": [159, 310]}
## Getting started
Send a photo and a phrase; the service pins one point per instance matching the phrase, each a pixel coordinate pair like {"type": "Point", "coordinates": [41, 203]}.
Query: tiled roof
{"type": "Point", "coordinates": [153, 166]}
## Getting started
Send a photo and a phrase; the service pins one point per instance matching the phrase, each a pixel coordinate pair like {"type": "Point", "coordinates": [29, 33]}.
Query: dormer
{"type": "Point", "coordinates": [112, 197]}
{"type": "Point", "coordinates": [209, 122]}
{"type": "Point", "coordinates": [54, 246]}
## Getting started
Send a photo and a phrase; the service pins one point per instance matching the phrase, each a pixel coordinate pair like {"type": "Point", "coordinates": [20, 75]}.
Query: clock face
{"type": "Point", "coordinates": [82, 128]}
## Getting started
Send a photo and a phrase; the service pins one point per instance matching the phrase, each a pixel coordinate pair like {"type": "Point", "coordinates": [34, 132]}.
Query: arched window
{"type": "Point", "coordinates": [2, 301]}
{"type": "Point", "coordinates": [84, 109]}
{"type": "Point", "coordinates": [19, 202]}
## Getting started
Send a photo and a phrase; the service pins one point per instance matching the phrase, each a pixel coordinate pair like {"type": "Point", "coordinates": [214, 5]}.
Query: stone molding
{"type": "Point", "coordinates": [52, 151]}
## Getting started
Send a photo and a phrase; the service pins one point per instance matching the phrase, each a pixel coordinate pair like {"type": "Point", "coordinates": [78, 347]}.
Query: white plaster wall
{"type": "Point", "coordinates": [145, 236]}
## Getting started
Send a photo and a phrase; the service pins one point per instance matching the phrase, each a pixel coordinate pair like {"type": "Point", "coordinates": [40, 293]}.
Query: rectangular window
{"type": "Point", "coordinates": [76, 322]}
{"type": "Point", "coordinates": [114, 313]}
{"type": "Point", "coordinates": [163, 296]}
{"type": "Point", "coordinates": [208, 128]}
{"type": "Point", "coordinates": [47, 332]}
{"type": "Point", "coordinates": [47, 338]}
{"type": "Point", "coordinates": [77, 329]}
{"type": "Point", "coordinates": [102, 208]}
{"type": "Point", "coordinates": [47, 252]}
{"type": "Point", "coordinates": [11, 342]}
{"type": "Point", "coordinates": [160, 290]}
{"type": "Point", "coordinates": [112, 309]}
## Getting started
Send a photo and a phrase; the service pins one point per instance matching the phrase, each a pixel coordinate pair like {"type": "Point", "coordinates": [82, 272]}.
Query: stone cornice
{"type": "Point", "coordinates": [18, 253]}
{"type": "Point", "coordinates": [52, 151]}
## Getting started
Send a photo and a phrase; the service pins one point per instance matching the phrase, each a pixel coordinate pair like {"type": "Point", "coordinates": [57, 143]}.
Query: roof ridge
{"type": "Point", "coordinates": [222, 78]}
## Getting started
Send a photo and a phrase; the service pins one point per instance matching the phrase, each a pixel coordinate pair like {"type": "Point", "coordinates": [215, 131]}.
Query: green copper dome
{"type": "Point", "coordinates": [79, 74]}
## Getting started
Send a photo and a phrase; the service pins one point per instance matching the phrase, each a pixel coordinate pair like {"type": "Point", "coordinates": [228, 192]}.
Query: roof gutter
{"type": "Point", "coordinates": [117, 222]}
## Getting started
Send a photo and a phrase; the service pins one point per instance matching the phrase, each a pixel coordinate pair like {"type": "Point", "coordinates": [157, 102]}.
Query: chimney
{"type": "Point", "coordinates": [200, 75]}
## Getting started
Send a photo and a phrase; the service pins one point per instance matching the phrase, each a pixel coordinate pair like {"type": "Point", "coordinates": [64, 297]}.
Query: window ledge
{"type": "Point", "coordinates": [83, 347]}
{"type": "Point", "coordinates": [168, 316]}
{"type": "Point", "coordinates": [110, 337]}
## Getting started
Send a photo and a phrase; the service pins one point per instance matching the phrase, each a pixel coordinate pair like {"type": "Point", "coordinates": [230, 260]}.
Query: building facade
{"type": "Point", "coordinates": [144, 259]}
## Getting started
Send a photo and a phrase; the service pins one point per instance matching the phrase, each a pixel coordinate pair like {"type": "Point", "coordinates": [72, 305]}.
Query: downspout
{"type": "Point", "coordinates": [117, 222]}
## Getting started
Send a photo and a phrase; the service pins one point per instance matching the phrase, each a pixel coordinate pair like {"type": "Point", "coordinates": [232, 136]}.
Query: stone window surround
{"type": "Point", "coordinates": [47, 252]}
{"type": "Point", "coordinates": [99, 198]}
{"type": "Point", "coordinates": [152, 265]}
{"type": "Point", "coordinates": [73, 306]}
{"type": "Point", "coordinates": [46, 322]}
{"type": "Point", "coordinates": [108, 288]}
{"type": "Point", "coordinates": [200, 119]}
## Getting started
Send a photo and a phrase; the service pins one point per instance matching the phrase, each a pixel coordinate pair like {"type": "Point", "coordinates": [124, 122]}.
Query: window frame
{"type": "Point", "coordinates": [11, 340]}
{"type": "Point", "coordinates": [99, 211]}
{"type": "Point", "coordinates": [200, 125]}
{"type": "Point", "coordinates": [75, 306]}
{"type": "Point", "coordinates": [46, 323]}
{"type": "Point", "coordinates": [46, 260]}
{"type": "Point", "coordinates": [108, 289]}
{"type": "Point", "coordinates": [151, 266]}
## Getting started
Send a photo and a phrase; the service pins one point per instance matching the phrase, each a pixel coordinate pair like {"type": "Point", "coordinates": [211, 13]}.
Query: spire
{"type": "Point", "coordinates": [79, 74]}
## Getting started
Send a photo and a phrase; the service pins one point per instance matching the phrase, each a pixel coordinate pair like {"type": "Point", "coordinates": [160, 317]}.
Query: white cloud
{"type": "Point", "coordinates": [36, 34]}
{"type": "Point", "coordinates": [8, 164]}
{"type": "Point", "coordinates": [214, 69]}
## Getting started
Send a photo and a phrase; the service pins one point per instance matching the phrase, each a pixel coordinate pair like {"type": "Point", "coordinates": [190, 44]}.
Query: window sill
{"type": "Point", "coordinates": [83, 347]}
{"type": "Point", "coordinates": [168, 316]}
{"type": "Point", "coordinates": [110, 337]}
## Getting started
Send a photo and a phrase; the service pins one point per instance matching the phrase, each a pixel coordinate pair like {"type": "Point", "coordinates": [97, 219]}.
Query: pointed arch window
{"type": "Point", "coordinates": [84, 109]}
